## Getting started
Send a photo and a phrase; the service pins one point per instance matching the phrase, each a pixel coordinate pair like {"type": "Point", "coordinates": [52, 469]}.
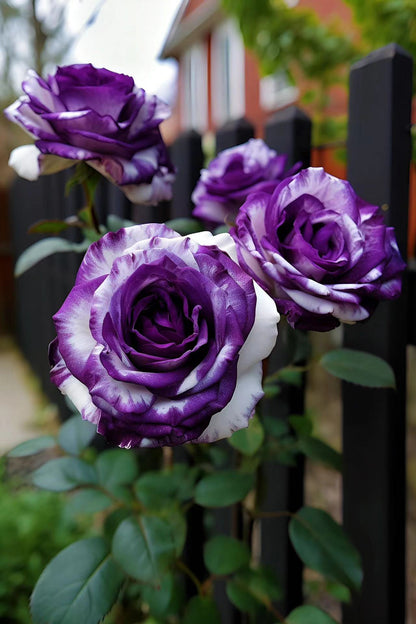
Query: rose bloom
{"type": "Point", "coordinates": [82, 113]}
{"type": "Point", "coordinates": [224, 186]}
{"type": "Point", "coordinates": [324, 254]}
{"type": "Point", "coordinates": [162, 338]}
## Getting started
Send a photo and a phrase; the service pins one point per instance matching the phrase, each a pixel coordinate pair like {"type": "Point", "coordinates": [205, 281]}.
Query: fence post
{"type": "Point", "coordinates": [233, 133]}
{"type": "Point", "coordinates": [288, 132]}
{"type": "Point", "coordinates": [187, 156]}
{"type": "Point", "coordinates": [374, 420]}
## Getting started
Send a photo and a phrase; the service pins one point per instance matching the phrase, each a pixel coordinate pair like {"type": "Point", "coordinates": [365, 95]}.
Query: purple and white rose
{"type": "Point", "coordinates": [162, 338]}
{"type": "Point", "coordinates": [82, 113]}
{"type": "Point", "coordinates": [224, 186]}
{"type": "Point", "coordinates": [324, 254]}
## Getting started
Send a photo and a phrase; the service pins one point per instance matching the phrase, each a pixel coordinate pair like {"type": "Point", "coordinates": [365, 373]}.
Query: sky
{"type": "Point", "coordinates": [126, 37]}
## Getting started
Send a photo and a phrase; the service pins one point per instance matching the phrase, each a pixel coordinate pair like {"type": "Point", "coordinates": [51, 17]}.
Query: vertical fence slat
{"type": "Point", "coordinates": [233, 133]}
{"type": "Point", "coordinates": [374, 420]}
{"type": "Point", "coordinates": [288, 132]}
{"type": "Point", "coordinates": [187, 156]}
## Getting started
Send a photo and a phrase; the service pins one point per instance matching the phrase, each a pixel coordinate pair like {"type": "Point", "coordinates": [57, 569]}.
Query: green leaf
{"type": "Point", "coordinates": [241, 598]}
{"type": "Point", "coordinates": [185, 226]}
{"type": "Point", "coordinates": [49, 226]}
{"type": "Point", "coordinates": [339, 591]}
{"type": "Point", "coordinates": [309, 615]}
{"type": "Point", "coordinates": [319, 451]}
{"type": "Point", "coordinates": [63, 474]}
{"type": "Point", "coordinates": [249, 440]}
{"type": "Point", "coordinates": [113, 521]}
{"type": "Point", "coordinates": [224, 555]}
{"type": "Point", "coordinates": [223, 488]}
{"type": "Point", "coordinates": [31, 447]}
{"type": "Point", "coordinates": [177, 522]}
{"type": "Point", "coordinates": [271, 390]}
{"type": "Point", "coordinates": [156, 490]}
{"type": "Point", "coordinates": [80, 584]}
{"type": "Point", "coordinates": [116, 467]}
{"type": "Point", "coordinates": [115, 223]}
{"type": "Point", "coordinates": [276, 426]}
{"type": "Point", "coordinates": [161, 489]}
{"type": "Point", "coordinates": [87, 501]}
{"type": "Point", "coordinates": [44, 248]}
{"type": "Point", "coordinates": [144, 547]}
{"type": "Point", "coordinates": [249, 589]}
{"type": "Point", "coordinates": [75, 435]}
{"type": "Point", "coordinates": [201, 610]}
{"type": "Point", "coordinates": [364, 369]}
{"type": "Point", "coordinates": [301, 424]}
{"type": "Point", "coordinates": [159, 597]}
{"type": "Point", "coordinates": [323, 546]}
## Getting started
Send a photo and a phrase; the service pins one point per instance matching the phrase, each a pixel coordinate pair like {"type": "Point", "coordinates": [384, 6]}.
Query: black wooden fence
{"type": "Point", "coordinates": [374, 421]}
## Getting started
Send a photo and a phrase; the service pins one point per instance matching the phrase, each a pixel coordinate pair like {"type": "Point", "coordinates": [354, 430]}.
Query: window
{"type": "Point", "coordinates": [195, 90]}
{"type": "Point", "coordinates": [227, 66]}
{"type": "Point", "coordinates": [276, 91]}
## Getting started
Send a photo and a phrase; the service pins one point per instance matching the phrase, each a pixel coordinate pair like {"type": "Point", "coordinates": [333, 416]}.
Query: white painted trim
{"type": "Point", "coordinates": [227, 73]}
{"type": "Point", "coordinates": [194, 112]}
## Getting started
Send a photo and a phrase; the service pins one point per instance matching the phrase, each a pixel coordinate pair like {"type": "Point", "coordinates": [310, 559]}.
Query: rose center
{"type": "Point", "coordinates": [162, 319]}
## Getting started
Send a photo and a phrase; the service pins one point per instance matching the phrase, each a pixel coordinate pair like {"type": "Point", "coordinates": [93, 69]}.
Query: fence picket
{"type": "Point", "coordinates": [233, 133]}
{"type": "Point", "coordinates": [375, 420]}
{"type": "Point", "coordinates": [288, 132]}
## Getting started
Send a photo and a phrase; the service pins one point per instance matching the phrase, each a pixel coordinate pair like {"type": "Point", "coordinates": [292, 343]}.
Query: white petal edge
{"type": "Point", "coordinates": [29, 163]}
{"type": "Point", "coordinates": [248, 391]}
{"type": "Point", "coordinates": [80, 397]}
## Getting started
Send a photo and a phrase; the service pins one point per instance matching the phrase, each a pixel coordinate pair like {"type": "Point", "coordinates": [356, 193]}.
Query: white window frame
{"type": "Point", "coordinates": [227, 73]}
{"type": "Point", "coordinates": [195, 88]}
{"type": "Point", "coordinates": [276, 91]}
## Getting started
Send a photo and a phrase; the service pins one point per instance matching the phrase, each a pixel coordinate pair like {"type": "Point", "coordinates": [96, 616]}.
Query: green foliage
{"type": "Point", "coordinates": [160, 598]}
{"type": "Point", "coordinates": [80, 584]}
{"type": "Point", "coordinates": [201, 610]}
{"type": "Point", "coordinates": [75, 435]}
{"type": "Point", "coordinates": [185, 226]}
{"type": "Point", "coordinates": [323, 546]}
{"type": "Point", "coordinates": [31, 447]}
{"type": "Point", "coordinates": [144, 547]}
{"type": "Point", "coordinates": [248, 441]}
{"type": "Point", "coordinates": [116, 467]}
{"type": "Point", "coordinates": [309, 615]}
{"type": "Point", "coordinates": [63, 474]}
{"type": "Point", "coordinates": [252, 589]}
{"type": "Point", "coordinates": [283, 37]}
{"type": "Point", "coordinates": [224, 555]}
{"type": "Point", "coordinates": [223, 488]}
{"type": "Point", "coordinates": [295, 40]}
{"type": "Point", "coordinates": [385, 21]}
{"type": "Point", "coordinates": [359, 367]}
{"type": "Point", "coordinates": [319, 451]}
{"type": "Point", "coordinates": [44, 248]}
{"type": "Point", "coordinates": [33, 529]}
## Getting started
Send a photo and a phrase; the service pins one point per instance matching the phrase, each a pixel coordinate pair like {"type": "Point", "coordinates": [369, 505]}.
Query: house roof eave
{"type": "Point", "coordinates": [185, 30]}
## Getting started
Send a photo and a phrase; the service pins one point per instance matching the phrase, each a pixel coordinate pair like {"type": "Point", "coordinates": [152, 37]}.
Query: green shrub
{"type": "Point", "coordinates": [33, 529]}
